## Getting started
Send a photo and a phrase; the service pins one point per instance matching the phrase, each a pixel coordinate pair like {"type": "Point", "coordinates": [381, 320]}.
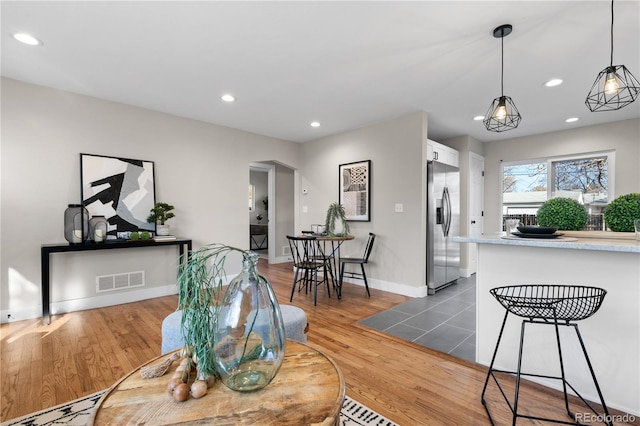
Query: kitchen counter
{"type": "Point", "coordinates": [566, 242]}
{"type": "Point", "coordinates": [611, 335]}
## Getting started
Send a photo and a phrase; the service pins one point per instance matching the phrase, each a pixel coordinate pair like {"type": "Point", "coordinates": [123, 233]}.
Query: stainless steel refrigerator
{"type": "Point", "coordinates": [443, 223]}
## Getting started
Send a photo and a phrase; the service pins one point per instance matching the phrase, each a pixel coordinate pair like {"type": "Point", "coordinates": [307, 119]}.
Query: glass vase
{"type": "Point", "coordinates": [249, 340]}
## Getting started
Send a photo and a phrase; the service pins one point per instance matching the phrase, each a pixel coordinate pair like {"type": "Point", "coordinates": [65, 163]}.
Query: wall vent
{"type": "Point", "coordinates": [119, 281]}
{"type": "Point", "coordinates": [286, 251]}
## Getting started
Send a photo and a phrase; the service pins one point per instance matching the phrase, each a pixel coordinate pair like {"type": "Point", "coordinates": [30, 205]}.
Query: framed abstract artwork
{"type": "Point", "coordinates": [120, 189]}
{"type": "Point", "coordinates": [355, 190]}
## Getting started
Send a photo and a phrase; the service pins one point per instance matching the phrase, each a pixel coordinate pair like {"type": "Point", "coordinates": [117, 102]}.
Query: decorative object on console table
{"type": "Point", "coordinates": [239, 344]}
{"type": "Point", "coordinates": [336, 221]}
{"type": "Point", "coordinates": [355, 190]}
{"type": "Point", "coordinates": [76, 224]}
{"type": "Point", "coordinates": [160, 213]}
{"type": "Point", "coordinates": [98, 229]}
{"type": "Point", "coordinates": [108, 181]}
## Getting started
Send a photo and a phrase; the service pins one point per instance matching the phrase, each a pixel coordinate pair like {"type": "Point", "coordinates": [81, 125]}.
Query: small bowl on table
{"type": "Point", "coordinates": [535, 229]}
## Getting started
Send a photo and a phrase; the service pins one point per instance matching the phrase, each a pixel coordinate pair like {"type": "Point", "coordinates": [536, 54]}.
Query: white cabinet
{"type": "Point", "coordinates": [442, 153]}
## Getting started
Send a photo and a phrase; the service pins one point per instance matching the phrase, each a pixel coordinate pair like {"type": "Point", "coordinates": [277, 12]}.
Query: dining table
{"type": "Point", "coordinates": [330, 247]}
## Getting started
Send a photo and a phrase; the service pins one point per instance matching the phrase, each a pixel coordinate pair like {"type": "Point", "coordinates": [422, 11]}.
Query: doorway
{"type": "Point", "coordinates": [276, 207]}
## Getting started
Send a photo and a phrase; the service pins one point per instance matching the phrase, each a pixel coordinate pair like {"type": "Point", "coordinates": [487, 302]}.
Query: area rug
{"type": "Point", "coordinates": [78, 413]}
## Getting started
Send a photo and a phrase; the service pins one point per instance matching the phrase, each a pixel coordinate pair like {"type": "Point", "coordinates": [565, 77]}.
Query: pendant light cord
{"type": "Point", "coordinates": [611, 62]}
{"type": "Point", "coordinates": [502, 63]}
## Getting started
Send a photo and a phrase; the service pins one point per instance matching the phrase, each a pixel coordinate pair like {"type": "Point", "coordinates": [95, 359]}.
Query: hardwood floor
{"type": "Point", "coordinates": [84, 352]}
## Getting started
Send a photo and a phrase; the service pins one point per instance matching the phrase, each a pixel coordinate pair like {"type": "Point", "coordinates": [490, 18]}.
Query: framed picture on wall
{"type": "Point", "coordinates": [120, 189]}
{"type": "Point", "coordinates": [355, 190]}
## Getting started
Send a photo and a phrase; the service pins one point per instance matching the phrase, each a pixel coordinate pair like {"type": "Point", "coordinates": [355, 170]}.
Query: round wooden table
{"type": "Point", "coordinates": [308, 390]}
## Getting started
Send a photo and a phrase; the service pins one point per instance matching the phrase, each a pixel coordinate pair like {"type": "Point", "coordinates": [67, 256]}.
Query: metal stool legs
{"type": "Point", "coordinates": [518, 373]}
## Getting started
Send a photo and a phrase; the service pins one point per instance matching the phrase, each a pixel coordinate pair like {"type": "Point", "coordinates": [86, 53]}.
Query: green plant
{"type": "Point", "coordinates": [160, 213]}
{"type": "Point", "coordinates": [621, 212]}
{"type": "Point", "coordinates": [134, 236]}
{"type": "Point", "coordinates": [336, 212]}
{"type": "Point", "coordinates": [200, 283]}
{"type": "Point", "coordinates": [563, 213]}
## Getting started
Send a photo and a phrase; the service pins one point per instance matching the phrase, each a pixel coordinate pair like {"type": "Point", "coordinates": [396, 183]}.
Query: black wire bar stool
{"type": "Point", "coordinates": [552, 305]}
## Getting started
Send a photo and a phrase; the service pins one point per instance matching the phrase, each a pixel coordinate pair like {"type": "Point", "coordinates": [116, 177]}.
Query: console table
{"type": "Point", "coordinates": [47, 249]}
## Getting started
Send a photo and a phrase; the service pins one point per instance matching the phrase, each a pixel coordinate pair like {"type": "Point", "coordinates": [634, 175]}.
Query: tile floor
{"type": "Point", "coordinates": [445, 321]}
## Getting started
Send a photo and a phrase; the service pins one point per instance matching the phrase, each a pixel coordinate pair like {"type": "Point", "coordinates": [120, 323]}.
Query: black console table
{"type": "Point", "coordinates": [47, 249]}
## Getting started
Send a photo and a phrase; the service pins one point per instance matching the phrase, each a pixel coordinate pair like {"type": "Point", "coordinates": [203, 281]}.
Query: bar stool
{"type": "Point", "coordinates": [551, 305]}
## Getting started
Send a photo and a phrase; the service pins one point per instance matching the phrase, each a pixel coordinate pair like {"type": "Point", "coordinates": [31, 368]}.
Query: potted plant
{"type": "Point", "coordinates": [336, 221]}
{"type": "Point", "coordinates": [621, 212]}
{"type": "Point", "coordinates": [160, 213]}
{"type": "Point", "coordinates": [563, 213]}
{"type": "Point", "coordinates": [235, 333]}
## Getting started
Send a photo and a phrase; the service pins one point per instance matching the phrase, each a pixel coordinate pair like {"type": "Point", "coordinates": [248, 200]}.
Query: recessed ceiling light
{"type": "Point", "coordinates": [27, 39]}
{"type": "Point", "coordinates": [315, 124]}
{"type": "Point", "coordinates": [571, 120]}
{"type": "Point", "coordinates": [228, 98]}
{"type": "Point", "coordinates": [478, 117]}
{"type": "Point", "coordinates": [553, 82]}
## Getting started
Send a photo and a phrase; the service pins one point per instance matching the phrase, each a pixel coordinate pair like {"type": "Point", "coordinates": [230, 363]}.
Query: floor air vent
{"type": "Point", "coordinates": [119, 281]}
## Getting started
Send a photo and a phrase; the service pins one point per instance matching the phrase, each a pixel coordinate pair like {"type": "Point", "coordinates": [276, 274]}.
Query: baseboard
{"type": "Point", "coordinates": [30, 312]}
{"type": "Point", "coordinates": [402, 289]}
{"type": "Point", "coordinates": [283, 259]}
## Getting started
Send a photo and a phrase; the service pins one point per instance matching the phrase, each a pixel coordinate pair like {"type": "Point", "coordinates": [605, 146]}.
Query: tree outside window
{"type": "Point", "coordinates": [585, 178]}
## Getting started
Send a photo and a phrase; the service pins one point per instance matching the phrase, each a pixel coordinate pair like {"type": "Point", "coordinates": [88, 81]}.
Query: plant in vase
{"type": "Point", "coordinates": [238, 334]}
{"type": "Point", "coordinates": [621, 212]}
{"type": "Point", "coordinates": [563, 213]}
{"type": "Point", "coordinates": [336, 221]}
{"type": "Point", "coordinates": [160, 213]}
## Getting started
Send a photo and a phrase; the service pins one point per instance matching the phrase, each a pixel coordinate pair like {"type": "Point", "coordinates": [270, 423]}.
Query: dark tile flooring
{"type": "Point", "coordinates": [445, 321]}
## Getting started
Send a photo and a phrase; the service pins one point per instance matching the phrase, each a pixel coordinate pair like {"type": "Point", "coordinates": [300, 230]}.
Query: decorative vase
{"type": "Point", "coordinates": [98, 229]}
{"type": "Point", "coordinates": [249, 339]}
{"type": "Point", "coordinates": [76, 224]}
{"type": "Point", "coordinates": [162, 230]}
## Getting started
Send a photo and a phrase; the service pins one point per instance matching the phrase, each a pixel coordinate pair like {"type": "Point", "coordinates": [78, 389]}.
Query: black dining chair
{"type": "Point", "coordinates": [357, 261]}
{"type": "Point", "coordinates": [307, 261]}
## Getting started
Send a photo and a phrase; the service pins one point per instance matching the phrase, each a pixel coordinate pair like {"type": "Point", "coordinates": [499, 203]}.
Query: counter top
{"type": "Point", "coordinates": [569, 242]}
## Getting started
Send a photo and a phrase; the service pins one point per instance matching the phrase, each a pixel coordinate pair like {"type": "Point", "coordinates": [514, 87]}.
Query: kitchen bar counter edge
{"type": "Point", "coordinates": [598, 244]}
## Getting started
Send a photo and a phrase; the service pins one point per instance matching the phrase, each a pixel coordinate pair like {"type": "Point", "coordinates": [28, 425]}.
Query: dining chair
{"type": "Point", "coordinates": [307, 261]}
{"type": "Point", "coordinates": [357, 261]}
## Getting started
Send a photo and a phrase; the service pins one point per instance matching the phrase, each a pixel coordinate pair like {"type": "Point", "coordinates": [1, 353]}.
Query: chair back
{"type": "Point", "coordinates": [303, 250]}
{"type": "Point", "coordinates": [369, 247]}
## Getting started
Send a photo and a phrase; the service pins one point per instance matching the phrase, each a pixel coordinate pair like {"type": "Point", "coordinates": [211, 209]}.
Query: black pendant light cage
{"type": "Point", "coordinates": [502, 115]}
{"type": "Point", "coordinates": [615, 87]}
{"type": "Point", "coordinates": [496, 122]}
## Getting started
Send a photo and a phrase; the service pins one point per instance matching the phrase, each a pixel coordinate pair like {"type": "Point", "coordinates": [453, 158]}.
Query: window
{"type": "Point", "coordinates": [587, 178]}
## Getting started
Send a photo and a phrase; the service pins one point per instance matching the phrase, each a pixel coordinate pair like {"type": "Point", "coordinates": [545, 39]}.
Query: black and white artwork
{"type": "Point", "coordinates": [355, 190]}
{"type": "Point", "coordinates": [120, 189]}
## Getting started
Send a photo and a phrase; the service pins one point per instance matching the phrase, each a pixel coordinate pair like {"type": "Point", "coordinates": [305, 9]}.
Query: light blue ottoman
{"type": "Point", "coordinates": [294, 318]}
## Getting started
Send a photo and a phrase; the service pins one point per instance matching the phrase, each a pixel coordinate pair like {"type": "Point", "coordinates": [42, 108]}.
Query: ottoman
{"type": "Point", "coordinates": [294, 318]}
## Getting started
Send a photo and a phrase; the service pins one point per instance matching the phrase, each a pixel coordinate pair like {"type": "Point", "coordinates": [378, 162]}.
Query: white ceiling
{"type": "Point", "coordinates": [345, 64]}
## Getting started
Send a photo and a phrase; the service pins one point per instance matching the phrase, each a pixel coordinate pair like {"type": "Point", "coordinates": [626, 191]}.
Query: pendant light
{"type": "Point", "coordinates": [502, 115]}
{"type": "Point", "coordinates": [615, 87]}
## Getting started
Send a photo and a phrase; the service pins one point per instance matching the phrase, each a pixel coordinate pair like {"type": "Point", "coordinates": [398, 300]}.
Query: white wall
{"type": "Point", "coordinates": [621, 136]}
{"type": "Point", "coordinates": [200, 168]}
{"type": "Point", "coordinates": [395, 148]}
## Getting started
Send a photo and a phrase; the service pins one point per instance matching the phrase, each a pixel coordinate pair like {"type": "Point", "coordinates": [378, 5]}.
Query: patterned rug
{"type": "Point", "coordinates": [78, 412]}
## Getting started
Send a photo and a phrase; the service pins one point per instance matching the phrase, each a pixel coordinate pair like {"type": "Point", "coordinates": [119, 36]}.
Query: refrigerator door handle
{"type": "Point", "coordinates": [447, 201]}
